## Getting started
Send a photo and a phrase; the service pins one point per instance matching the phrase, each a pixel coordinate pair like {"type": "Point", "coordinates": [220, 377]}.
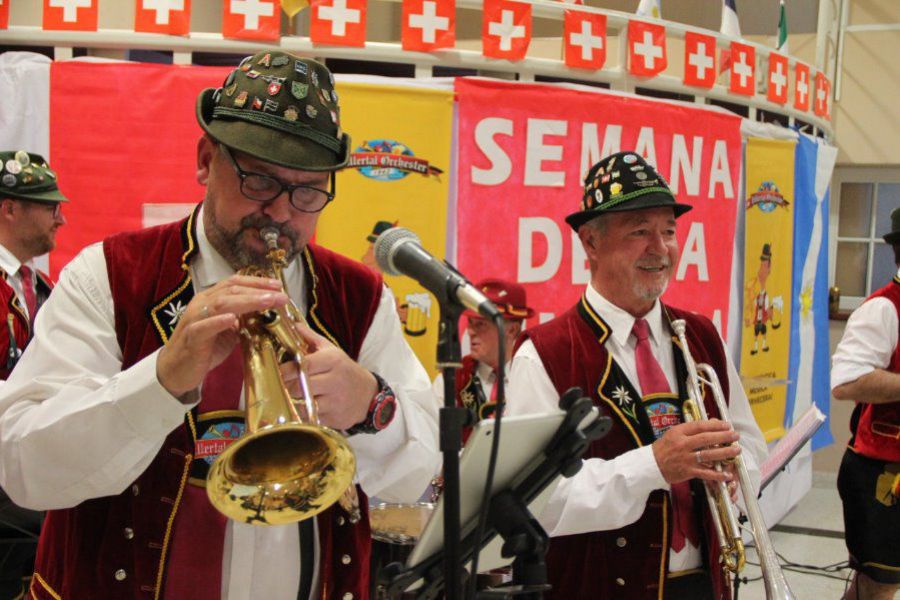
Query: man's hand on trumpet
{"type": "Point", "coordinates": [689, 451]}
{"type": "Point", "coordinates": [343, 390]}
{"type": "Point", "coordinates": [207, 329]}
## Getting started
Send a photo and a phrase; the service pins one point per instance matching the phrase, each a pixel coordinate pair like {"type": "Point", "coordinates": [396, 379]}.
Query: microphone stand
{"type": "Point", "coordinates": [452, 421]}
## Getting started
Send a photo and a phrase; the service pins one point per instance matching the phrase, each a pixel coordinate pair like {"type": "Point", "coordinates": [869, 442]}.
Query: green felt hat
{"type": "Point", "coordinates": [621, 182]}
{"type": "Point", "coordinates": [27, 176]}
{"type": "Point", "coordinates": [279, 108]}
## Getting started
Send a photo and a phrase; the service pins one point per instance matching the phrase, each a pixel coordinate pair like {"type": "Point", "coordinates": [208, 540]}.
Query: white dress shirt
{"type": "Point", "coordinates": [868, 343]}
{"type": "Point", "coordinates": [610, 494]}
{"type": "Point", "coordinates": [74, 426]}
{"type": "Point", "coordinates": [11, 264]}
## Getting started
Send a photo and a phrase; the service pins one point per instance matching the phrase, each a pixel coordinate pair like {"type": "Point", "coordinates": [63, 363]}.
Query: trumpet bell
{"type": "Point", "coordinates": [281, 474]}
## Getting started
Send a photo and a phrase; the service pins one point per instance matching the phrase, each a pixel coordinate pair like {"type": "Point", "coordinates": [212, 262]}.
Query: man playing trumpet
{"type": "Point", "coordinates": [633, 523]}
{"type": "Point", "coordinates": [112, 423]}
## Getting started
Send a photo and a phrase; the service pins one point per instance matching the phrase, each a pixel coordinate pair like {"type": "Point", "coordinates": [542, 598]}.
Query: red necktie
{"type": "Point", "coordinates": [653, 380]}
{"type": "Point", "coordinates": [28, 291]}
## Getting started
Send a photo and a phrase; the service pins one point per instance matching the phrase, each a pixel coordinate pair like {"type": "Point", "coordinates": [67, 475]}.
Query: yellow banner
{"type": "Point", "coordinates": [768, 255]}
{"type": "Point", "coordinates": [401, 140]}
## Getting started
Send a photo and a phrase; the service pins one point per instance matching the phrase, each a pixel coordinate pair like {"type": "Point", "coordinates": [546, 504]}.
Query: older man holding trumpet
{"type": "Point", "coordinates": [634, 523]}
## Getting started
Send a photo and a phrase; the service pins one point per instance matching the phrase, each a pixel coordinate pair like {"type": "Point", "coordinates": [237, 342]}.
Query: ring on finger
{"type": "Point", "coordinates": [698, 456]}
{"type": "Point", "coordinates": [204, 312]}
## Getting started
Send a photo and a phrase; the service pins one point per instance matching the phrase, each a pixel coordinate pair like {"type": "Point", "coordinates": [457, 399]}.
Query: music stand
{"type": "Point", "coordinates": [535, 451]}
{"type": "Point", "coordinates": [790, 444]}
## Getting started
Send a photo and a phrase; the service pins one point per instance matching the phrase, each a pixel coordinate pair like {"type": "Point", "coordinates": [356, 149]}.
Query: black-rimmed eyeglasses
{"type": "Point", "coordinates": [265, 188]}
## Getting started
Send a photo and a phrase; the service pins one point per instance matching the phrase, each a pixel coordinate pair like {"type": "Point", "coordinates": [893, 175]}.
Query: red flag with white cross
{"type": "Point", "coordinates": [743, 69]}
{"type": "Point", "coordinates": [646, 48]}
{"type": "Point", "coordinates": [163, 16]}
{"type": "Point", "coordinates": [505, 29]}
{"type": "Point", "coordinates": [69, 15]}
{"type": "Point", "coordinates": [777, 90]}
{"type": "Point", "coordinates": [338, 22]}
{"type": "Point", "coordinates": [428, 25]}
{"type": "Point", "coordinates": [821, 101]}
{"type": "Point", "coordinates": [699, 60]}
{"type": "Point", "coordinates": [251, 19]}
{"type": "Point", "coordinates": [584, 38]}
{"type": "Point", "coordinates": [4, 14]}
{"type": "Point", "coordinates": [801, 86]}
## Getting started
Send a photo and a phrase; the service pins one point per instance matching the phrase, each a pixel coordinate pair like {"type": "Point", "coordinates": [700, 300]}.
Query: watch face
{"type": "Point", "coordinates": [384, 412]}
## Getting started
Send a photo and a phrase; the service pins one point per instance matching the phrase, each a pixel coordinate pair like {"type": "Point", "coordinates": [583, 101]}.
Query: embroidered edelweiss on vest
{"type": "Point", "coordinates": [173, 304]}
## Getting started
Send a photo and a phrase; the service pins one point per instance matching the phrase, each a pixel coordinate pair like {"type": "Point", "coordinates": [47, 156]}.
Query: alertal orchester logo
{"type": "Point", "coordinates": [389, 160]}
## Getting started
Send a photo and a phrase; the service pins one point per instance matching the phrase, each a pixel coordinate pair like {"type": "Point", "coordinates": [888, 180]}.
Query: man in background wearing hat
{"type": "Point", "coordinates": [30, 214]}
{"type": "Point", "coordinates": [133, 380]}
{"type": "Point", "coordinates": [627, 525]}
{"type": "Point", "coordinates": [866, 369]}
{"type": "Point", "coordinates": [476, 381]}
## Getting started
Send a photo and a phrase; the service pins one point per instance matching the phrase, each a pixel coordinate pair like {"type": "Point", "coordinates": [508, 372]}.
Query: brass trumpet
{"type": "Point", "coordinates": [731, 544]}
{"type": "Point", "coordinates": [283, 469]}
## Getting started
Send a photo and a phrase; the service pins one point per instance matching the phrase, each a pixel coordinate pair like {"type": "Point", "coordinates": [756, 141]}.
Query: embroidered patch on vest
{"type": "Point", "coordinates": [663, 414]}
{"type": "Point", "coordinates": [166, 313]}
{"type": "Point", "coordinates": [215, 432]}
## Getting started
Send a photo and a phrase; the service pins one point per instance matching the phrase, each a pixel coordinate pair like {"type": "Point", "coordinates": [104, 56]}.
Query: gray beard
{"type": "Point", "coordinates": [238, 254]}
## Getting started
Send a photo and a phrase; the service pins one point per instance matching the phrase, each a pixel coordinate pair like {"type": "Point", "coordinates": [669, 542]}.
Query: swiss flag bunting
{"type": "Point", "coordinates": [699, 59]}
{"type": "Point", "coordinates": [338, 22]}
{"type": "Point", "coordinates": [74, 15]}
{"type": "Point", "coordinates": [822, 97]}
{"type": "Point", "coordinates": [251, 19]}
{"type": "Point", "coordinates": [801, 87]}
{"type": "Point", "coordinates": [777, 89]}
{"type": "Point", "coordinates": [4, 14]}
{"type": "Point", "coordinates": [505, 29]}
{"type": "Point", "coordinates": [169, 16]}
{"type": "Point", "coordinates": [646, 48]}
{"type": "Point", "coordinates": [428, 25]}
{"type": "Point", "coordinates": [743, 69]}
{"type": "Point", "coordinates": [584, 39]}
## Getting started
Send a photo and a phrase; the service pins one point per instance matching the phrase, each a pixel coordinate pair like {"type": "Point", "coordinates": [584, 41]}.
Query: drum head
{"type": "Point", "coordinates": [399, 523]}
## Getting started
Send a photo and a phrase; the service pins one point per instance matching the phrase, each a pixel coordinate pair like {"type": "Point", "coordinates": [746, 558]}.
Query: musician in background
{"type": "Point", "coordinates": [476, 381]}
{"type": "Point", "coordinates": [634, 522]}
{"type": "Point", "coordinates": [866, 370]}
{"type": "Point", "coordinates": [135, 362]}
{"type": "Point", "coordinates": [30, 215]}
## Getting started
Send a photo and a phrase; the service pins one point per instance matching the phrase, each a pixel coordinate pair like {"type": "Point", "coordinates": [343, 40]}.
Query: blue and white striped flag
{"type": "Point", "coordinates": [809, 370]}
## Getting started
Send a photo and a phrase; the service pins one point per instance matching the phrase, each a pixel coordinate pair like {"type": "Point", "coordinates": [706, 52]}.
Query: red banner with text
{"type": "Point", "coordinates": [523, 151]}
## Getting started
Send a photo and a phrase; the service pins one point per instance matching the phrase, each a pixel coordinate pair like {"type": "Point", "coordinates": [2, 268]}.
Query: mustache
{"type": "Point", "coordinates": [664, 263]}
{"type": "Point", "coordinates": [259, 222]}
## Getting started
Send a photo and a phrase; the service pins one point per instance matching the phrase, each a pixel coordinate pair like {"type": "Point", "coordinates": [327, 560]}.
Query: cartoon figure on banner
{"type": "Point", "coordinates": [760, 309]}
{"type": "Point", "coordinates": [415, 311]}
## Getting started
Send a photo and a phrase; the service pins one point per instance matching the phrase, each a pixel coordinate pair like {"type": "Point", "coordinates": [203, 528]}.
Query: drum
{"type": "Point", "coordinates": [395, 530]}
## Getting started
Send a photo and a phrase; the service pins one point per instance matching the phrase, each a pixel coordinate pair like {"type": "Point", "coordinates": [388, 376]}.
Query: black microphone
{"type": "Point", "coordinates": [398, 251]}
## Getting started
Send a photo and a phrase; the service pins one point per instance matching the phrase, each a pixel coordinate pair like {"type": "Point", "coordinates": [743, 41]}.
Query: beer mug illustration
{"type": "Point", "coordinates": [417, 314]}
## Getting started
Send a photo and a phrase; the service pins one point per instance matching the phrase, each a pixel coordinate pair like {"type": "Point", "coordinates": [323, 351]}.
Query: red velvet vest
{"type": "Point", "coordinates": [17, 331]}
{"type": "Point", "coordinates": [630, 562]}
{"type": "Point", "coordinates": [469, 392]}
{"type": "Point", "coordinates": [876, 427]}
{"type": "Point", "coordinates": [117, 547]}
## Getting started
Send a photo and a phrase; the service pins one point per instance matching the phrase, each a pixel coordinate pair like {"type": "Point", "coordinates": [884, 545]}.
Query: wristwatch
{"type": "Point", "coordinates": [381, 410]}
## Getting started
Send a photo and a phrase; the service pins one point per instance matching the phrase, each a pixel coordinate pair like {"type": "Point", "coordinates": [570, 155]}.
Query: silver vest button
{"type": "Point", "coordinates": [340, 520]}
{"type": "Point", "coordinates": [129, 533]}
{"type": "Point", "coordinates": [620, 542]}
{"type": "Point", "coordinates": [620, 581]}
{"type": "Point", "coordinates": [121, 575]}
{"type": "Point", "coordinates": [347, 596]}
{"type": "Point", "coordinates": [135, 489]}
{"type": "Point", "coordinates": [345, 559]}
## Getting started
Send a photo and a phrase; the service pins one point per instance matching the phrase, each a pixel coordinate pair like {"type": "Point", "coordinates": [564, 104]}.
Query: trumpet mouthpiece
{"type": "Point", "coordinates": [270, 236]}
